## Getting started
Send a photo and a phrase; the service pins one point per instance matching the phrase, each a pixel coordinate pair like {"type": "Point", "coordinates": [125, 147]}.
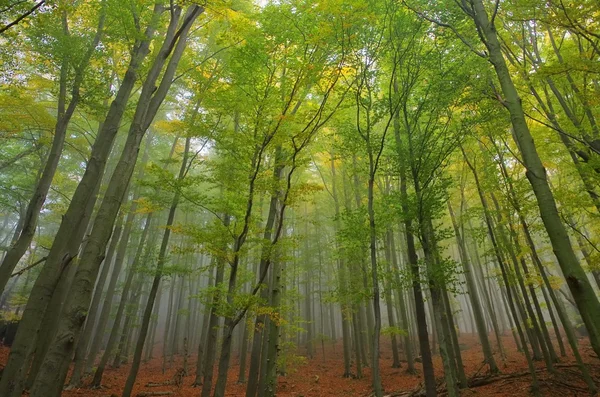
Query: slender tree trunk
{"type": "Point", "coordinates": [212, 328]}
{"type": "Point", "coordinates": [191, 14]}
{"type": "Point", "coordinates": [98, 330]}
{"type": "Point", "coordinates": [389, 303]}
{"type": "Point", "coordinates": [509, 292]}
{"type": "Point", "coordinates": [342, 282]}
{"type": "Point", "coordinates": [166, 347]}
{"type": "Point", "coordinates": [114, 334]}
{"type": "Point", "coordinates": [255, 355]}
{"type": "Point", "coordinates": [273, 340]}
{"type": "Point", "coordinates": [579, 285]}
{"type": "Point", "coordinates": [408, 348]}
{"type": "Point", "coordinates": [474, 297]}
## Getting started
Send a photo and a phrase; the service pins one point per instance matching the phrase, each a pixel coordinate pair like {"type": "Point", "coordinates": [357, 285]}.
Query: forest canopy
{"type": "Point", "coordinates": [227, 189]}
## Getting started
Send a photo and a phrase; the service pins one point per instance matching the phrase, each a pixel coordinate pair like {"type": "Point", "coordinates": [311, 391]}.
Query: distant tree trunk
{"type": "Point", "coordinates": [357, 342]}
{"type": "Point", "coordinates": [167, 329]}
{"type": "Point", "coordinates": [342, 282]}
{"type": "Point", "coordinates": [204, 334]}
{"type": "Point", "coordinates": [389, 303]}
{"type": "Point", "coordinates": [213, 324]}
{"type": "Point", "coordinates": [114, 334]}
{"type": "Point", "coordinates": [310, 350]}
{"type": "Point", "coordinates": [538, 337]}
{"type": "Point", "coordinates": [492, 314]}
{"type": "Point", "coordinates": [428, 374]}
{"type": "Point", "coordinates": [474, 297]}
{"type": "Point", "coordinates": [191, 14]}
{"type": "Point", "coordinates": [149, 348]}
{"type": "Point", "coordinates": [177, 327]}
{"type": "Point", "coordinates": [243, 354]}
{"type": "Point", "coordinates": [439, 313]}
{"type": "Point", "coordinates": [375, 370]}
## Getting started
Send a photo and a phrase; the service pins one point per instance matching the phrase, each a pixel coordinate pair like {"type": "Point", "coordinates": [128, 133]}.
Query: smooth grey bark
{"type": "Point", "coordinates": [579, 285]}
{"type": "Point", "coordinates": [548, 288]}
{"type": "Point", "coordinates": [203, 334]}
{"type": "Point", "coordinates": [48, 324]}
{"type": "Point", "coordinates": [493, 314]}
{"type": "Point", "coordinates": [208, 359]}
{"type": "Point", "coordinates": [439, 314]}
{"type": "Point", "coordinates": [97, 332]}
{"type": "Point", "coordinates": [507, 285]}
{"type": "Point", "coordinates": [51, 377]}
{"type": "Point", "coordinates": [375, 370]}
{"type": "Point", "coordinates": [308, 296]}
{"type": "Point", "coordinates": [73, 224]}
{"type": "Point", "coordinates": [255, 355]}
{"type": "Point", "coordinates": [177, 327]}
{"type": "Point", "coordinates": [413, 263]}
{"type": "Point", "coordinates": [401, 302]}
{"type": "Point", "coordinates": [270, 387]}
{"type": "Point", "coordinates": [90, 324]}
{"type": "Point", "coordinates": [243, 355]}
{"type": "Point", "coordinates": [167, 325]}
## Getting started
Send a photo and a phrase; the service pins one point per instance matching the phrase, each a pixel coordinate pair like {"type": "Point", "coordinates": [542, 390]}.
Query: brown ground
{"type": "Point", "coordinates": [322, 376]}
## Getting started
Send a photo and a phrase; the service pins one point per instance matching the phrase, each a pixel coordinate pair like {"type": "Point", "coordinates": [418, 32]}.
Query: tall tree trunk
{"type": "Point", "coordinates": [474, 297]}
{"type": "Point", "coordinates": [579, 285]}
{"type": "Point", "coordinates": [509, 292]}
{"type": "Point", "coordinates": [212, 326]}
{"type": "Point", "coordinates": [51, 377]}
{"type": "Point", "coordinates": [406, 323]}
{"type": "Point", "coordinates": [97, 331]}
{"type": "Point", "coordinates": [73, 224]}
{"type": "Point", "coordinates": [114, 334]}
{"type": "Point", "coordinates": [270, 388]}
{"type": "Point", "coordinates": [191, 14]}
{"type": "Point", "coordinates": [342, 282]}
{"type": "Point", "coordinates": [255, 355]}
{"type": "Point", "coordinates": [390, 304]}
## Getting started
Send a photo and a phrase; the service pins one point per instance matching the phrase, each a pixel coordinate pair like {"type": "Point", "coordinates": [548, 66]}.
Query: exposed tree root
{"type": "Point", "coordinates": [154, 393]}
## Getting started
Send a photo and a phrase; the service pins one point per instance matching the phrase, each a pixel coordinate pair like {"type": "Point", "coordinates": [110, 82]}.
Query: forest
{"type": "Point", "coordinates": [299, 198]}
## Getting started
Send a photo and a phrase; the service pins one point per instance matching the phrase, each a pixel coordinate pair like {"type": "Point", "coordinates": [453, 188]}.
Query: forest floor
{"type": "Point", "coordinates": [321, 376]}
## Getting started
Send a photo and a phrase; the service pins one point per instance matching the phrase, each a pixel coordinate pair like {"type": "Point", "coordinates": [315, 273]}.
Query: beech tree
{"type": "Point", "coordinates": [373, 190]}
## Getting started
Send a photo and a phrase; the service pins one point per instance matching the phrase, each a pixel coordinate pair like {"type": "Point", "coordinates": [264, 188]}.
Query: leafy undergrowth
{"type": "Point", "coordinates": [321, 376]}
